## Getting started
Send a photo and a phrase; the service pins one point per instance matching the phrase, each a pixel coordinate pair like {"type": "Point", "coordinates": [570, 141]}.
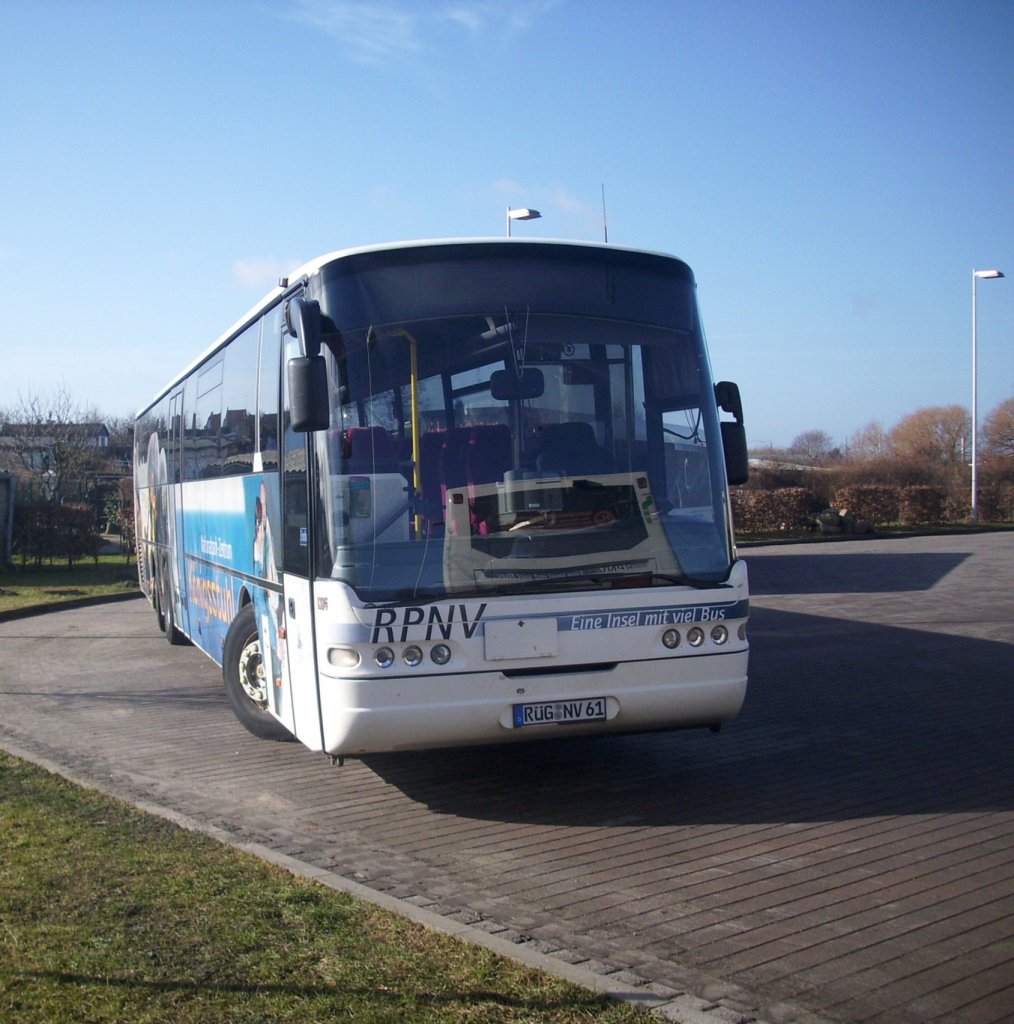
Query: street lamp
{"type": "Point", "coordinates": [986, 275]}
{"type": "Point", "coordinates": [523, 213]}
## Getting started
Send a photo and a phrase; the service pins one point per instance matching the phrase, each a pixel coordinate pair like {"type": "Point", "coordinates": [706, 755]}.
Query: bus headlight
{"type": "Point", "coordinates": [343, 657]}
{"type": "Point", "coordinates": [695, 637]}
{"type": "Point", "coordinates": [441, 654]}
{"type": "Point", "coordinates": [719, 634]}
{"type": "Point", "coordinates": [412, 655]}
{"type": "Point", "coordinates": [671, 639]}
{"type": "Point", "coordinates": [384, 657]}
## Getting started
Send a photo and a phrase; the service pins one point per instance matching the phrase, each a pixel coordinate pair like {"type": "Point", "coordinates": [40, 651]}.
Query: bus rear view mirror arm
{"type": "Point", "coordinates": [727, 397]}
{"type": "Point", "coordinates": [302, 319]}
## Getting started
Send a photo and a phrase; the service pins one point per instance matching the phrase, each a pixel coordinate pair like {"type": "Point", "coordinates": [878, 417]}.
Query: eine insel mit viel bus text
{"type": "Point", "coordinates": [454, 492]}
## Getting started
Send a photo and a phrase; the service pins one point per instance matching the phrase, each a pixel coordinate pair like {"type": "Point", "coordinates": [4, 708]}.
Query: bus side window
{"type": "Point", "coordinates": [267, 390]}
{"type": "Point", "coordinates": [206, 426]}
{"type": "Point", "coordinates": [239, 402]}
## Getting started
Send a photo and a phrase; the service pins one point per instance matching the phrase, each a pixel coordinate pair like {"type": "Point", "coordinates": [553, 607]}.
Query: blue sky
{"type": "Point", "coordinates": [831, 170]}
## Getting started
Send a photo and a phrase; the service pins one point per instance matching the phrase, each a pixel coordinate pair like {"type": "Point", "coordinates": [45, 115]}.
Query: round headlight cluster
{"type": "Point", "coordinates": [385, 657]}
{"type": "Point", "coordinates": [698, 636]}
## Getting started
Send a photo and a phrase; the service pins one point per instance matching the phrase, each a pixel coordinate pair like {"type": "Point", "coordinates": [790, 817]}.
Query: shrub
{"type": "Point", "coordinates": [125, 519]}
{"type": "Point", "coordinates": [45, 529]}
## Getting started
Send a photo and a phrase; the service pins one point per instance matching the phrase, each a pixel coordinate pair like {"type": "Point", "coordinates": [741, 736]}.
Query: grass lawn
{"type": "Point", "coordinates": [108, 914]}
{"type": "Point", "coordinates": [53, 584]}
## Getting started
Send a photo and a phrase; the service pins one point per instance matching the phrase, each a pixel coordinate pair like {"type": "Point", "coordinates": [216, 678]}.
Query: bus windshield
{"type": "Point", "coordinates": [492, 432]}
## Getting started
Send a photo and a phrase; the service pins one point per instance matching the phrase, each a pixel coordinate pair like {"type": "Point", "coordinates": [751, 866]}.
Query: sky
{"type": "Point", "coordinates": [832, 170]}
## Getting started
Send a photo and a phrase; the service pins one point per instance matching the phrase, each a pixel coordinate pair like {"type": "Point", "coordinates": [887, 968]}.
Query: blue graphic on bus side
{"type": "Point", "coordinates": [228, 539]}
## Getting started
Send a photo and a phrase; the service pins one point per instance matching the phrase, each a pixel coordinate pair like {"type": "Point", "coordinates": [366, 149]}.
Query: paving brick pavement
{"type": "Point", "coordinates": [843, 852]}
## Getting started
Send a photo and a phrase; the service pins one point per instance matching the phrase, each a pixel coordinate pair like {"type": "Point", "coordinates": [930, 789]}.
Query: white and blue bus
{"type": "Point", "coordinates": [454, 492]}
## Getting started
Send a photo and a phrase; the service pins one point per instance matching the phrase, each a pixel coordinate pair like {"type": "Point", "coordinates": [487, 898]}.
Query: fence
{"type": "Point", "coordinates": [8, 485]}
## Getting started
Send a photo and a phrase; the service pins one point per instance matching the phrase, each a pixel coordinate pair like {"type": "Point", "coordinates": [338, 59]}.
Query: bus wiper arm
{"type": "Point", "coordinates": [549, 583]}
{"type": "Point", "coordinates": [413, 597]}
{"type": "Point", "coordinates": [688, 581]}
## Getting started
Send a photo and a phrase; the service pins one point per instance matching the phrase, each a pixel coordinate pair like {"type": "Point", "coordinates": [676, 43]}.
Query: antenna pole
{"type": "Point", "coordinates": [605, 228]}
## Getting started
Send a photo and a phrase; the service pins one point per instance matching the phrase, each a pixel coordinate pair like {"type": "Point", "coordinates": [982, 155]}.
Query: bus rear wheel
{"type": "Point", "coordinates": [168, 615]}
{"type": "Point", "coordinates": [246, 679]}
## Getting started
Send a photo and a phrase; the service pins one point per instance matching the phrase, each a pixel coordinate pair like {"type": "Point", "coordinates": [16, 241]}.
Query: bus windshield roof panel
{"type": "Point", "coordinates": [371, 287]}
{"type": "Point", "coordinates": [400, 254]}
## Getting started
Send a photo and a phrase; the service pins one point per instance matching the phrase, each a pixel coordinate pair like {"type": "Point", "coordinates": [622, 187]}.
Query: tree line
{"type": "Point", "coordinates": [72, 468]}
{"type": "Point", "coordinates": [44, 444]}
{"type": "Point", "coordinates": [47, 442]}
{"type": "Point", "coordinates": [918, 471]}
{"type": "Point", "coordinates": [937, 436]}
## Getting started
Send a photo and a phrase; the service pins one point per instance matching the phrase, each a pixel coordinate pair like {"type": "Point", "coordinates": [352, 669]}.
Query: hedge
{"type": "Point", "coordinates": [872, 503]}
{"type": "Point", "coordinates": [996, 502]}
{"type": "Point", "coordinates": [921, 505]}
{"type": "Point", "coordinates": [785, 510]}
{"type": "Point", "coordinates": [861, 507]}
{"type": "Point", "coordinates": [47, 530]}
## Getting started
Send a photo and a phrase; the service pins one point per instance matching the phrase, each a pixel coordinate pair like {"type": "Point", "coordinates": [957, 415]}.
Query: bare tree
{"type": "Point", "coordinates": [815, 445]}
{"type": "Point", "coordinates": [998, 430]}
{"type": "Point", "coordinates": [121, 429]}
{"type": "Point", "coordinates": [869, 444]}
{"type": "Point", "coordinates": [932, 436]}
{"type": "Point", "coordinates": [49, 441]}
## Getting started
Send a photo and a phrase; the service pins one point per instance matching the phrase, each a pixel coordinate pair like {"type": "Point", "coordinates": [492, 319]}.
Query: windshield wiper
{"type": "Point", "coordinates": [407, 596]}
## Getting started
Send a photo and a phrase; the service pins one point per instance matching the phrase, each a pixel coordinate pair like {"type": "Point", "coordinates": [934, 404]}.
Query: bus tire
{"type": "Point", "coordinates": [156, 603]}
{"type": "Point", "coordinates": [172, 634]}
{"type": "Point", "coordinates": [156, 598]}
{"type": "Point", "coordinates": [246, 682]}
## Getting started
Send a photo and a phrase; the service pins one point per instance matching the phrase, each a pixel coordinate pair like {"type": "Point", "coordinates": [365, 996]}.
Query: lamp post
{"type": "Point", "coordinates": [522, 213]}
{"type": "Point", "coordinates": [986, 275]}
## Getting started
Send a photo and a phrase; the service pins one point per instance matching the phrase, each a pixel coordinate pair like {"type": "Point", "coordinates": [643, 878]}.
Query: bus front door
{"type": "Point", "coordinates": [302, 714]}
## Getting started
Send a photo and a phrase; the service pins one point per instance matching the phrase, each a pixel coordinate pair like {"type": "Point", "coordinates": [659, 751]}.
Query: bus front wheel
{"type": "Point", "coordinates": [246, 679]}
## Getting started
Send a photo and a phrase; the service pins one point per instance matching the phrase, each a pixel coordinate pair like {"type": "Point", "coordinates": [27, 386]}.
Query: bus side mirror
{"type": "Point", "coordinates": [309, 408]}
{"type": "Point", "coordinates": [308, 394]}
{"type": "Point", "coordinates": [737, 461]}
{"type": "Point", "coordinates": [737, 458]}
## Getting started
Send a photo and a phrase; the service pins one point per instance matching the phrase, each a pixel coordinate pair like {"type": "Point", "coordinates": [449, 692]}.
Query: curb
{"type": "Point", "coordinates": [62, 606]}
{"type": "Point", "coordinates": [658, 1001]}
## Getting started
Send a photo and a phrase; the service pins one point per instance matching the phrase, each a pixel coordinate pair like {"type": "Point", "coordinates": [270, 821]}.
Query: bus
{"type": "Point", "coordinates": [454, 492]}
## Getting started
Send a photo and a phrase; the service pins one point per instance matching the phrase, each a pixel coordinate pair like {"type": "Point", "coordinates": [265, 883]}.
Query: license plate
{"type": "Point", "coordinates": [560, 712]}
